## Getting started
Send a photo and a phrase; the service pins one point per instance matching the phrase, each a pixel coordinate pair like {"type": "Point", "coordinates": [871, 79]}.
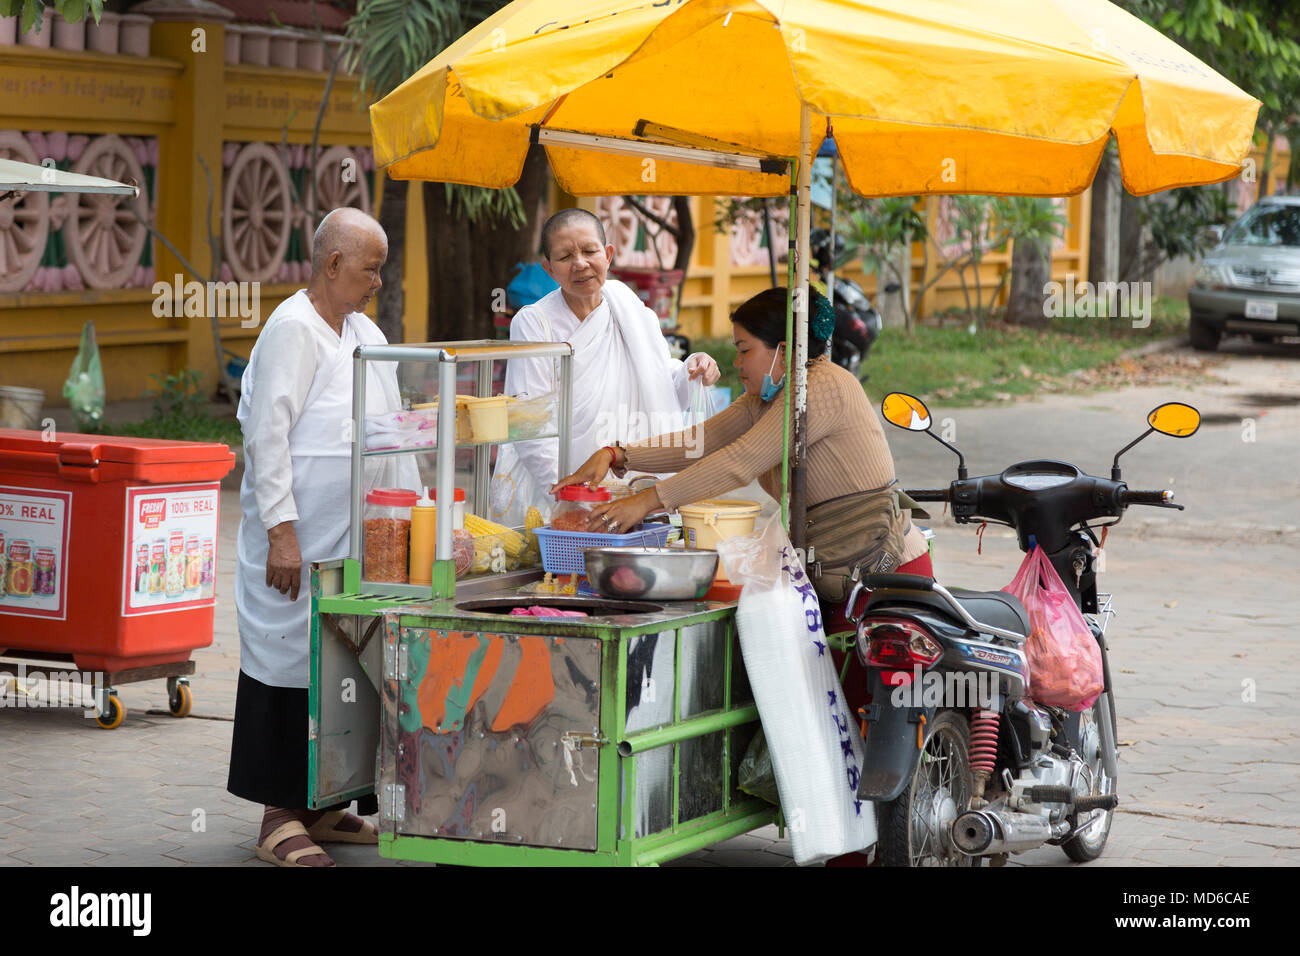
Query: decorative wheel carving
{"type": "Point", "coordinates": [24, 221]}
{"type": "Point", "coordinates": [256, 213]}
{"type": "Point", "coordinates": [623, 223]}
{"type": "Point", "coordinates": [333, 190]}
{"type": "Point", "coordinates": [104, 239]}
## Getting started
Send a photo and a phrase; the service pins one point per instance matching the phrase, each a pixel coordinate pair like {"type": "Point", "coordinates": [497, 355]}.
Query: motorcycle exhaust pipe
{"type": "Point", "coordinates": [985, 832]}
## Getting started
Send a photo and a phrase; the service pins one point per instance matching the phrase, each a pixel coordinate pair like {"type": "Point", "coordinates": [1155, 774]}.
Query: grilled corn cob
{"type": "Point", "coordinates": [512, 541]}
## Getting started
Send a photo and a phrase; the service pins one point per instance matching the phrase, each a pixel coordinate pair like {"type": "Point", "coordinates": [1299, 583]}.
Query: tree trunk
{"type": "Point", "coordinates": [685, 243]}
{"type": "Point", "coordinates": [1103, 234]}
{"type": "Point", "coordinates": [1130, 238]}
{"type": "Point", "coordinates": [468, 262]}
{"type": "Point", "coordinates": [1031, 269]}
{"type": "Point", "coordinates": [392, 301]}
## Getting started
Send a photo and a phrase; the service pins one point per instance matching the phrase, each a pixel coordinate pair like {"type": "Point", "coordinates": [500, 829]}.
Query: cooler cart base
{"type": "Point", "coordinates": [59, 673]}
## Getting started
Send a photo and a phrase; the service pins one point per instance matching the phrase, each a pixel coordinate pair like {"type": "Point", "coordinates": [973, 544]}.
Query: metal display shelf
{"type": "Point", "coordinates": [447, 356]}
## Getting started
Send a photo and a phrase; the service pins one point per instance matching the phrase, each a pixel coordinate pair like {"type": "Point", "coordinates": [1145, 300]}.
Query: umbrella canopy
{"type": "Point", "coordinates": [26, 177]}
{"type": "Point", "coordinates": [1013, 97]}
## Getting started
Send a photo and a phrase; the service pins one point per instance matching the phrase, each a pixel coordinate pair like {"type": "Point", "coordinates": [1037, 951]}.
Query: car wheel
{"type": "Point", "coordinates": [1205, 337]}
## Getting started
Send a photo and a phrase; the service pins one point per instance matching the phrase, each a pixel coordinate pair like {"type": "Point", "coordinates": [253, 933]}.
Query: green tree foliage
{"type": "Point", "coordinates": [392, 40]}
{"type": "Point", "coordinates": [32, 11]}
{"type": "Point", "coordinates": [1254, 43]}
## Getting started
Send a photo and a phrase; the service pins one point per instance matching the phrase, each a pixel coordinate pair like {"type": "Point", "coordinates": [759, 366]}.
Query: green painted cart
{"type": "Point", "coordinates": [494, 739]}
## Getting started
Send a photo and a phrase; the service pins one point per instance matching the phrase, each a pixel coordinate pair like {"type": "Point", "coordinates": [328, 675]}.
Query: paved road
{"type": "Point", "coordinates": [1204, 651]}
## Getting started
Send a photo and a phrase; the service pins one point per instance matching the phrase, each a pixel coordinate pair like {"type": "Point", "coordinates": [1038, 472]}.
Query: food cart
{"type": "Point", "coordinates": [494, 739]}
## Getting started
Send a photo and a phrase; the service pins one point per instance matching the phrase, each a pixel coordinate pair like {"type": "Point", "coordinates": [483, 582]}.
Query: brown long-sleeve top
{"type": "Point", "coordinates": [847, 451]}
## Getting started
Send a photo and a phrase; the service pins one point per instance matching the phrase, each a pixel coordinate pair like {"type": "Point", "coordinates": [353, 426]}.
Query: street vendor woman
{"type": "Point", "coordinates": [853, 519]}
{"type": "Point", "coordinates": [626, 385]}
{"type": "Point", "coordinates": [853, 513]}
{"type": "Point", "coordinates": [295, 409]}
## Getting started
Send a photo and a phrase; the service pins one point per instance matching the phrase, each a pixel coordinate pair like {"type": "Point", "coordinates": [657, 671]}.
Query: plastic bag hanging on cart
{"type": "Point", "coordinates": [813, 742]}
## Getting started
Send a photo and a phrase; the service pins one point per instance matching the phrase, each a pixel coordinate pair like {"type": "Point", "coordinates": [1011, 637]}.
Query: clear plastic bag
{"type": "Point", "coordinates": [699, 403]}
{"type": "Point", "coordinates": [1064, 659]}
{"type": "Point", "coordinates": [84, 388]}
{"type": "Point", "coordinates": [756, 777]}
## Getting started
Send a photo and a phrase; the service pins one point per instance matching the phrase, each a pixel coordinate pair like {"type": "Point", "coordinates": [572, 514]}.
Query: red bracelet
{"type": "Point", "coordinates": [613, 451]}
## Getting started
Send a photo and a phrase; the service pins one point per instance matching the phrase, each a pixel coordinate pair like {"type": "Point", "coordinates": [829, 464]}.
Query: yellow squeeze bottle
{"type": "Point", "coordinates": [424, 526]}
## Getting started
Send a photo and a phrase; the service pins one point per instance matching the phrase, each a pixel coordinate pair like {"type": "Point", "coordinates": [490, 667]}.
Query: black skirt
{"type": "Point", "coordinates": [268, 749]}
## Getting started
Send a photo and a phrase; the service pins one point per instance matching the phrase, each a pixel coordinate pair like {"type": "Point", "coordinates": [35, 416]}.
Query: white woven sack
{"type": "Point", "coordinates": [815, 749]}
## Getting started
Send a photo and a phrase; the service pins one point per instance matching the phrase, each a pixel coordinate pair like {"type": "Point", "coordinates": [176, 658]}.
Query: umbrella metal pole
{"type": "Point", "coordinates": [799, 365]}
{"type": "Point", "coordinates": [786, 401]}
{"type": "Point", "coordinates": [835, 182]}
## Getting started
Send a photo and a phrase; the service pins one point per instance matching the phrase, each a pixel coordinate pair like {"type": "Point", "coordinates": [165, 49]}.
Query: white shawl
{"type": "Point", "coordinates": [626, 386]}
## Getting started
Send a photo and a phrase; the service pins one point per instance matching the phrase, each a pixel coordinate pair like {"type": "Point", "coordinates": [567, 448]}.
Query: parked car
{"type": "Point", "coordinates": [1250, 281]}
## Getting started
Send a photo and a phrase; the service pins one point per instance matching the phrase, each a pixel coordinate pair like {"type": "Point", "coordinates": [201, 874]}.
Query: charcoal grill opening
{"type": "Point", "coordinates": [596, 607]}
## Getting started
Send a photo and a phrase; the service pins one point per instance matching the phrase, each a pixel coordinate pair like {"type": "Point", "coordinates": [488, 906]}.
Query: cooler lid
{"type": "Point", "coordinates": [72, 448]}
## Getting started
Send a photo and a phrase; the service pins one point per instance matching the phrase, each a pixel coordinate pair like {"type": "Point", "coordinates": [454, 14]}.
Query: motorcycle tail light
{"type": "Point", "coordinates": [896, 644]}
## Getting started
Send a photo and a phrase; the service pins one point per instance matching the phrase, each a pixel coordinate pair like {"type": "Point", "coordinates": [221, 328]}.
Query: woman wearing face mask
{"type": "Point", "coordinates": [854, 515]}
{"type": "Point", "coordinates": [854, 518]}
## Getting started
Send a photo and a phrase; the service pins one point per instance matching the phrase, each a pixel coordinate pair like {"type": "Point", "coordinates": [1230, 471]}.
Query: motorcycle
{"type": "Point", "coordinates": [962, 763]}
{"type": "Point", "coordinates": [857, 324]}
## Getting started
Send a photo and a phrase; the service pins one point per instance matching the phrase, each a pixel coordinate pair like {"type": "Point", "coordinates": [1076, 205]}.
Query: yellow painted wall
{"type": "Point", "coordinates": [193, 103]}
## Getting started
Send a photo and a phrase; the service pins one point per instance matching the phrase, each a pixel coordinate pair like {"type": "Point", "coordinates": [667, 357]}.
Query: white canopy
{"type": "Point", "coordinates": [25, 177]}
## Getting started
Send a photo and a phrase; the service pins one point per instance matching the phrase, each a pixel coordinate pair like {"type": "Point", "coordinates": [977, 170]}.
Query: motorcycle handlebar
{"type": "Point", "coordinates": [928, 494]}
{"type": "Point", "coordinates": [1155, 499]}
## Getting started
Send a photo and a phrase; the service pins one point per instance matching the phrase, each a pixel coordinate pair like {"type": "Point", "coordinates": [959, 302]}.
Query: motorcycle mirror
{"type": "Point", "coordinates": [909, 412]}
{"type": "Point", "coordinates": [1175, 420]}
{"type": "Point", "coordinates": [1172, 418]}
{"type": "Point", "coordinates": [906, 411]}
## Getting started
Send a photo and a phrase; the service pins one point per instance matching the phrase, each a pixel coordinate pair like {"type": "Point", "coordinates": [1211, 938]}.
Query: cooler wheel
{"type": "Point", "coordinates": [116, 713]}
{"type": "Point", "coordinates": [181, 700]}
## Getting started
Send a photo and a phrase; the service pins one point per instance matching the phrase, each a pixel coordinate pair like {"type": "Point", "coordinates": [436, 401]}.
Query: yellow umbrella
{"type": "Point", "coordinates": [1013, 97]}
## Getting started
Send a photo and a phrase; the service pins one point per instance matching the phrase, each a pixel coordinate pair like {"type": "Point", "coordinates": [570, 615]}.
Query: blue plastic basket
{"type": "Point", "coordinates": [562, 551]}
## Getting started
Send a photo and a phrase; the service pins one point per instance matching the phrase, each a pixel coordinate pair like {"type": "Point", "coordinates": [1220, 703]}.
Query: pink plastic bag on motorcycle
{"type": "Point", "coordinates": [1064, 659]}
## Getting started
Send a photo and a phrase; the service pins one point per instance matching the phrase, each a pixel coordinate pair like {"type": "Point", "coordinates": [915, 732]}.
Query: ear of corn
{"type": "Point", "coordinates": [533, 520]}
{"type": "Point", "coordinates": [512, 541]}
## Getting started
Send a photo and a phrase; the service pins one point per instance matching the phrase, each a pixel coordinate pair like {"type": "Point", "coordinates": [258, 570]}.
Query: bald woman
{"type": "Point", "coordinates": [295, 403]}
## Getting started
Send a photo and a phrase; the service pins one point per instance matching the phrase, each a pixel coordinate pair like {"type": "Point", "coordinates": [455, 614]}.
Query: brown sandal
{"type": "Point", "coordinates": [326, 830]}
{"type": "Point", "coordinates": [286, 831]}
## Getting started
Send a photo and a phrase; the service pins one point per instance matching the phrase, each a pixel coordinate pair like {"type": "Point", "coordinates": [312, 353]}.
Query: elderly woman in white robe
{"type": "Point", "coordinates": [626, 385]}
{"type": "Point", "coordinates": [295, 409]}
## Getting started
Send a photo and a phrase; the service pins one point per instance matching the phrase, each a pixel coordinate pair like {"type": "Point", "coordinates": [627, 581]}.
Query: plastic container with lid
{"type": "Point", "coordinates": [458, 508]}
{"type": "Point", "coordinates": [488, 419]}
{"type": "Point", "coordinates": [387, 537]}
{"type": "Point", "coordinates": [575, 505]}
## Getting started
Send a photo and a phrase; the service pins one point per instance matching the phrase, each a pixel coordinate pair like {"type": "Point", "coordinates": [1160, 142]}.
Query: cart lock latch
{"type": "Point", "coordinates": [579, 741]}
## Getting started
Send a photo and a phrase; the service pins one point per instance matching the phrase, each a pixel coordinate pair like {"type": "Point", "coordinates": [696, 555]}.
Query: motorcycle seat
{"type": "Point", "coordinates": [995, 608]}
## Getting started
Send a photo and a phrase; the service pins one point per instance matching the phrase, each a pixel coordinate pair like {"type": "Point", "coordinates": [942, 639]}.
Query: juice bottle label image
{"type": "Point", "coordinates": [157, 566]}
{"type": "Point", "coordinates": [20, 569]}
{"type": "Point", "coordinates": [207, 570]}
{"type": "Point", "coordinates": [140, 582]}
{"type": "Point", "coordinates": [193, 563]}
{"type": "Point", "coordinates": [175, 581]}
{"type": "Point", "coordinates": [44, 579]}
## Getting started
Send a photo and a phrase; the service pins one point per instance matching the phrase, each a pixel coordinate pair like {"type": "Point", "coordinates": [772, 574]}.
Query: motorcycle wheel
{"type": "Point", "coordinates": [916, 828]}
{"type": "Point", "coordinates": [1090, 844]}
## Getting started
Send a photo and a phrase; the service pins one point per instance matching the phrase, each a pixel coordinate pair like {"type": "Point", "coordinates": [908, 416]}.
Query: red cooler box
{"type": "Point", "coordinates": [109, 546]}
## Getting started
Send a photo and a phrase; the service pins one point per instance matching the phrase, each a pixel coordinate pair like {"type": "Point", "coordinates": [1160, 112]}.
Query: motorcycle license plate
{"type": "Point", "coordinates": [1261, 309]}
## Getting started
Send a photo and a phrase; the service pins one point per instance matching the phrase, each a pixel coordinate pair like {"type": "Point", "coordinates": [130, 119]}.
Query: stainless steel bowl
{"type": "Point", "coordinates": [658, 574]}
